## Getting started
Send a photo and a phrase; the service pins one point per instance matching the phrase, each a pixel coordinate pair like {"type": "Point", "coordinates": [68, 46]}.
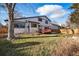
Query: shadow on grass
{"type": "Point", "coordinates": [20, 45]}
{"type": "Point", "coordinates": [7, 48]}
{"type": "Point", "coordinates": [24, 49]}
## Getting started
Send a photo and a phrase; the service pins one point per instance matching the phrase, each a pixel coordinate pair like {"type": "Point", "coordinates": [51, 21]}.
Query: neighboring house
{"type": "Point", "coordinates": [32, 24]}
{"type": "Point", "coordinates": [1, 25]}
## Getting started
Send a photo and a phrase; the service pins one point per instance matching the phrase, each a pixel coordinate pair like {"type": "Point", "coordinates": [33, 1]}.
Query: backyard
{"type": "Point", "coordinates": [39, 45]}
{"type": "Point", "coordinates": [24, 34]}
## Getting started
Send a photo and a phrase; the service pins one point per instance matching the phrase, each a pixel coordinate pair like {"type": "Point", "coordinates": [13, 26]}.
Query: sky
{"type": "Point", "coordinates": [56, 12]}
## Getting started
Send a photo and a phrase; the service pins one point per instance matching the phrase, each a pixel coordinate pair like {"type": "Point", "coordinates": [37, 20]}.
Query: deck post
{"type": "Point", "coordinates": [26, 27]}
{"type": "Point", "coordinates": [29, 30]}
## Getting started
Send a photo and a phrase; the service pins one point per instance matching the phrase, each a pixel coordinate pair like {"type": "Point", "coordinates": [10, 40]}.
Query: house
{"type": "Point", "coordinates": [31, 24]}
{"type": "Point", "coordinates": [1, 25]}
{"type": "Point", "coordinates": [55, 28]}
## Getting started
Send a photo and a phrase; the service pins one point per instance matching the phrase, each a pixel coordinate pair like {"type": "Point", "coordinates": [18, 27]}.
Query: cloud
{"type": "Point", "coordinates": [54, 11]}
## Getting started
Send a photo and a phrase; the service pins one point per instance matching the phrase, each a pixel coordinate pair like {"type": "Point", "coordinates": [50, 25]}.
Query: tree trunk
{"type": "Point", "coordinates": [10, 30]}
{"type": "Point", "coordinates": [10, 24]}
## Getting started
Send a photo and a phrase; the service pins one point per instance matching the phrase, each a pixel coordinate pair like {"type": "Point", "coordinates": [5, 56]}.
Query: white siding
{"type": "Point", "coordinates": [43, 21]}
{"type": "Point", "coordinates": [33, 19]}
{"type": "Point", "coordinates": [19, 30]}
{"type": "Point", "coordinates": [34, 30]}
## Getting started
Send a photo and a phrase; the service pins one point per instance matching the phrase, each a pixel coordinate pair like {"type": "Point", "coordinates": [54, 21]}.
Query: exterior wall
{"type": "Point", "coordinates": [26, 29]}
{"type": "Point", "coordinates": [34, 30]}
{"type": "Point", "coordinates": [23, 30]}
{"type": "Point", "coordinates": [19, 30]}
{"type": "Point", "coordinates": [54, 27]}
{"type": "Point", "coordinates": [43, 22]}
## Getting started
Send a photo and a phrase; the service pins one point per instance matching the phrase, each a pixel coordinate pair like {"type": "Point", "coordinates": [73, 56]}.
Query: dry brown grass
{"type": "Point", "coordinates": [67, 47]}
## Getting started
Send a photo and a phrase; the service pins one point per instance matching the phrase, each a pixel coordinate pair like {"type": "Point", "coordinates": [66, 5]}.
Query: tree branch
{"type": "Point", "coordinates": [13, 6]}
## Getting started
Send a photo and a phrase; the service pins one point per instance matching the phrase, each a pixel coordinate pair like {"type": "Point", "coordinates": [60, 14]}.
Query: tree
{"type": "Point", "coordinates": [68, 24]}
{"type": "Point", "coordinates": [10, 10]}
{"type": "Point", "coordinates": [74, 17]}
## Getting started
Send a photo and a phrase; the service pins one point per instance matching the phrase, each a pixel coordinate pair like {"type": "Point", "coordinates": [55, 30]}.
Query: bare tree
{"type": "Point", "coordinates": [10, 9]}
{"type": "Point", "coordinates": [68, 23]}
{"type": "Point", "coordinates": [74, 17]}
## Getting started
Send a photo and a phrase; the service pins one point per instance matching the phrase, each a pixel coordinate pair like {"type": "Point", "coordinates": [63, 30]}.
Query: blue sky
{"type": "Point", "coordinates": [58, 12]}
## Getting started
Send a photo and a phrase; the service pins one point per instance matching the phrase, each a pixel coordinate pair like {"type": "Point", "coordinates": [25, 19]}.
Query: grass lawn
{"type": "Point", "coordinates": [40, 45]}
{"type": "Point", "coordinates": [29, 45]}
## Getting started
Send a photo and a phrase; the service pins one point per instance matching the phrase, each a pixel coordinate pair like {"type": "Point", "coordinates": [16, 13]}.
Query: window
{"type": "Point", "coordinates": [33, 25]}
{"type": "Point", "coordinates": [22, 26]}
{"type": "Point", "coordinates": [39, 25]}
{"type": "Point", "coordinates": [40, 19]}
{"type": "Point", "coordinates": [18, 25]}
{"type": "Point", "coordinates": [46, 22]}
